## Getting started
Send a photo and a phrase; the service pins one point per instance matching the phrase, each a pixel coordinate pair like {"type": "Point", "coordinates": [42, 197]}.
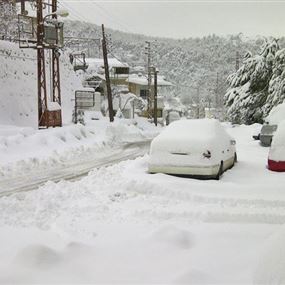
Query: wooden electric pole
{"type": "Point", "coordinates": [155, 97]}
{"type": "Point", "coordinates": [149, 98]}
{"type": "Point", "coordinates": [107, 75]}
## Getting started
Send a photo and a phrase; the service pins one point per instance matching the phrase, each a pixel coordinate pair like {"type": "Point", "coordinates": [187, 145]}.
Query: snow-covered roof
{"type": "Point", "coordinates": [94, 75]}
{"type": "Point", "coordinates": [99, 62]}
{"type": "Point", "coordinates": [142, 80]}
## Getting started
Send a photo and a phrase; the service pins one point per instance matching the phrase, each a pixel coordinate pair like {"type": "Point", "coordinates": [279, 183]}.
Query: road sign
{"type": "Point", "coordinates": [84, 100]}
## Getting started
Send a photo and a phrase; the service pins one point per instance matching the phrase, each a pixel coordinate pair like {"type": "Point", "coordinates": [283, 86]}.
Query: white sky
{"type": "Point", "coordinates": [182, 19]}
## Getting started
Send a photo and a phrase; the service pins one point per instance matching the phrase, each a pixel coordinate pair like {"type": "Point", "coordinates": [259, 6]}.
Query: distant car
{"type": "Point", "coordinates": [276, 157]}
{"type": "Point", "coordinates": [266, 134]}
{"type": "Point", "coordinates": [201, 148]}
{"type": "Point", "coordinates": [276, 115]}
{"type": "Point", "coordinates": [172, 116]}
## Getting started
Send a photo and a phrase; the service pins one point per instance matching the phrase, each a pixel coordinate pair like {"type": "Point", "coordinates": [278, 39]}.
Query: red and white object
{"type": "Point", "coordinates": [276, 157]}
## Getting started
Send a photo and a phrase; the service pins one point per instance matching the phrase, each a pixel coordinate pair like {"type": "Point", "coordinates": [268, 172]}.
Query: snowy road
{"type": "Point", "coordinates": [122, 225]}
{"type": "Point", "coordinates": [73, 170]}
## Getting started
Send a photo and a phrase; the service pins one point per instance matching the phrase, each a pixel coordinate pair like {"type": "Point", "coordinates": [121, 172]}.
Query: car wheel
{"type": "Point", "coordinates": [220, 172]}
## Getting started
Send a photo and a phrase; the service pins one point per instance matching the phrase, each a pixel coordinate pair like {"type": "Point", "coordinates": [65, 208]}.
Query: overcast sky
{"type": "Point", "coordinates": [182, 19]}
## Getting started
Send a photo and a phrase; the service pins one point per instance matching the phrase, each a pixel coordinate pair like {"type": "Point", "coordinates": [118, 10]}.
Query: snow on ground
{"type": "Point", "coordinates": [18, 86]}
{"type": "Point", "coordinates": [122, 225]}
{"type": "Point", "coordinates": [24, 149]}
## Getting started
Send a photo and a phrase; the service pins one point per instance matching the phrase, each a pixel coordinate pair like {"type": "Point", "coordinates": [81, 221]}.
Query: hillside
{"type": "Point", "coordinates": [188, 63]}
{"type": "Point", "coordinates": [18, 86]}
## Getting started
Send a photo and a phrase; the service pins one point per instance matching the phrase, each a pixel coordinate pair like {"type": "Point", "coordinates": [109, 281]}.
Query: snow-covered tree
{"type": "Point", "coordinates": [249, 86]}
{"type": "Point", "coordinates": [8, 19]}
{"type": "Point", "coordinates": [276, 88]}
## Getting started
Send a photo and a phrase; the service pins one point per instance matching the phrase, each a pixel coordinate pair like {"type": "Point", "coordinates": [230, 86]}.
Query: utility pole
{"type": "Point", "coordinates": [155, 96]}
{"type": "Point", "coordinates": [47, 37]}
{"type": "Point", "coordinates": [56, 91]}
{"type": "Point", "coordinates": [107, 75]}
{"type": "Point", "coordinates": [23, 7]}
{"type": "Point", "coordinates": [149, 79]}
{"type": "Point", "coordinates": [42, 90]}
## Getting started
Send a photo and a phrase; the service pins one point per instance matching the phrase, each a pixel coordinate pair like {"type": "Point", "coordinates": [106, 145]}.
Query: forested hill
{"type": "Point", "coordinates": [188, 63]}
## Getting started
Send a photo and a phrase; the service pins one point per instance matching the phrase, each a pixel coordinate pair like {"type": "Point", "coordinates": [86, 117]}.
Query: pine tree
{"type": "Point", "coordinates": [249, 86]}
{"type": "Point", "coordinates": [277, 83]}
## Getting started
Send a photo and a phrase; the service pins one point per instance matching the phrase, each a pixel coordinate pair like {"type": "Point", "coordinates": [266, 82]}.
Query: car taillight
{"type": "Point", "coordinates": [207, 154]}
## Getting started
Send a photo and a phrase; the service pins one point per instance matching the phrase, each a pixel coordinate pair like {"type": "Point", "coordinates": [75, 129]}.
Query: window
{"type": "Point", "coordinates": [144, 94]}
{"type": "Point", "coordinates": [121, 70]}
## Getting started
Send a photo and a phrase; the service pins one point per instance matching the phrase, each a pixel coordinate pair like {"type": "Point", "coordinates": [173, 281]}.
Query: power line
{"type": "Point", "coordinates": [106, 14]}
{"type": "Point", "coordinates": [76, 15]}
{"type": "Point", "coordinates": [112, 17]}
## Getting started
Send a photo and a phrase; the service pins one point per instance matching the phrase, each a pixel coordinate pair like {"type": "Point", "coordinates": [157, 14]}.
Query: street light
{"type": "Point", "coordinates": [60, 12]}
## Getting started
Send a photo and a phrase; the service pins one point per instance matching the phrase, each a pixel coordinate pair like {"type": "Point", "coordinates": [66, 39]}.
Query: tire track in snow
{"type": "Point", "coordinates": [168, 203]}
{"type": "Point", "coordinates": [73, 171]}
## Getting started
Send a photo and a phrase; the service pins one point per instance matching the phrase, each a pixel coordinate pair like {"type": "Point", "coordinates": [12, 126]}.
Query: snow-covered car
{"type": "Point", "coordinates": [266, 134]}
{"type": "Point", "coordinates": [276, 157]}
{"type": "Point", "coordinates": [276, 115]}
{"type": "Point", "coordinates": [201, 148]}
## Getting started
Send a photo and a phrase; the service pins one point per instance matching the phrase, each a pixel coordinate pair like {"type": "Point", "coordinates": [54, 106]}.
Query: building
{"type": "Point", "coordinates": [138, 85]}
{"type": "Point", "coordinates": [119, 71]}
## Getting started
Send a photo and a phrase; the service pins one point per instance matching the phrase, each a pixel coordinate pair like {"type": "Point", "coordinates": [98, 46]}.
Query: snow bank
{"type": "Point", "coordinates": [276, 115]}
{"type": "Point", "coordinates": [23, 149]}
{"type": "Point", "coordinates": [18, 86]}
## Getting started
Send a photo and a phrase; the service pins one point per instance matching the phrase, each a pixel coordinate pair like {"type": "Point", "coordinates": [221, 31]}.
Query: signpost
{"type": "Point", "coordinates": [84, 100]}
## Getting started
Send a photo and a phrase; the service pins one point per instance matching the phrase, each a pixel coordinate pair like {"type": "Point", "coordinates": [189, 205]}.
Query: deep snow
{"type": "Point", "coordinates": [122, 225]}
{"type": "Point", "coordinates": [24, 150]}
{"type": "Point", "coordinates": [18, 86]}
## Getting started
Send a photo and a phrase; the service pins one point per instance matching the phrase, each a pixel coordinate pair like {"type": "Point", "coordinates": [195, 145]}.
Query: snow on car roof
{"type": "Point", "coordinates": [276, 115]}
{"type": "Point", "coordinates": [191, 135]}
